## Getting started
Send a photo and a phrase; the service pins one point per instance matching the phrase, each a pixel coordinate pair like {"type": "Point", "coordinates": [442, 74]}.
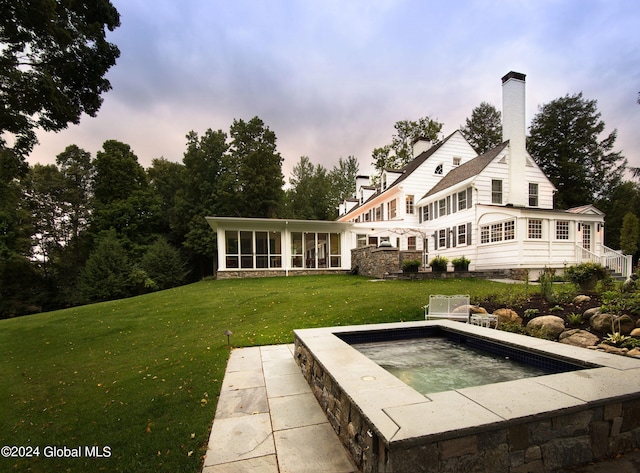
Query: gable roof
{"type": "Point", "coordinates": [415, 163]}
{"type": "Point", "coordinates": [465, 171]}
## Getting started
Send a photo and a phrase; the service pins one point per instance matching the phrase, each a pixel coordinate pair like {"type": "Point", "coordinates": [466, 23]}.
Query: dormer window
{"type": "Point", "coordinates": [384, 181]}
{"type": "Point", "coordinates": [439, 169]}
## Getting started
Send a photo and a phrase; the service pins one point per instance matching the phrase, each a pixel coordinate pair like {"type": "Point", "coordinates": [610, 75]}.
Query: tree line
{"type": "Point", "coordinates": [96, 228]}
{"type": "Point", "coordinates": [89, 229]}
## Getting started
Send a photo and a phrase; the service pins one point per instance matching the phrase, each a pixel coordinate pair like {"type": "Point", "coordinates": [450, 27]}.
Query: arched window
{"type": "Point", "coordinates": [439, 169]}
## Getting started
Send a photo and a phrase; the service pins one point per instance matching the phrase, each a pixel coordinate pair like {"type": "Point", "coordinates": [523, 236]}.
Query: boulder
{"type": "Point", "coordinates": [579, 338]}
{"type": "Point", "coordinates": [549, 325]}
{"type": "Point", "coordinates": [579, 299]}
{"type": "Point", "coordinates": [634, 352]}
{"type": "Point", "coordinates": [475, 309]}
{"type": "Point", "coordinates": [587, 314]}
{"type": "Point", "coordinates": [635, 332]}
{"type": "Point", "coordinates": [612, 349]}
{"type": "Point", "coordinates": [507, 315]}
{"type": "Point", "coordinates": [630, 283]}
{"type": "Point", "coordinates": [601, 322]}
{"type": "Point", "coordinates": [624, 325]}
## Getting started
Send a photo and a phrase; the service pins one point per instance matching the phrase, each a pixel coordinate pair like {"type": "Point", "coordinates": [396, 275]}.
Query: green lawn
{"type": "Point", "coordinates": [141, 376]}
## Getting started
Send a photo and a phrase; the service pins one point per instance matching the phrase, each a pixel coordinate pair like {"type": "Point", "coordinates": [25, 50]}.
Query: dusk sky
{"type": "Point", "coordinates": [331, 78]}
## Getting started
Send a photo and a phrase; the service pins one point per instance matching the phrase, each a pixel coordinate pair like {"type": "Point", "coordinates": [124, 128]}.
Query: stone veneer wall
{"type": "Point", "coordinates": [379, 262]}
{"type": "Point", "coordinates": [538, 445]}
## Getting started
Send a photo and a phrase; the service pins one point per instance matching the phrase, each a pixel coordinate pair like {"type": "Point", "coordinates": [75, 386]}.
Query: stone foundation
{"type": "Point", "coordinates": [247, 273]}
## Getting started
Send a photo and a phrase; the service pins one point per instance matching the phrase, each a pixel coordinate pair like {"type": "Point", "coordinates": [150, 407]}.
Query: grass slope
{"type": "Point", "coordinates": [142, 375]}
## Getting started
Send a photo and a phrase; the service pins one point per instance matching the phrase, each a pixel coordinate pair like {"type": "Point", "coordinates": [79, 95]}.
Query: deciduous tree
{"type": "Point", "coordinates": [400, 151]}
{"type": "Point", "coordinates": [53, 59]}
{"type": "Point", "coordinates": [259, 165]}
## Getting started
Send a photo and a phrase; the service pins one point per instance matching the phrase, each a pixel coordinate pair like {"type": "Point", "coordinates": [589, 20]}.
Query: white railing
{"type": "Point", "coordinates": [617, 261]}
{"type": "Point", "coordinates": [614, 260]}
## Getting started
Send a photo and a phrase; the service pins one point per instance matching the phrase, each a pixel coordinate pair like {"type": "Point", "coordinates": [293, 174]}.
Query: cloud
{"type": "Point", "coordinates": [331, 78]}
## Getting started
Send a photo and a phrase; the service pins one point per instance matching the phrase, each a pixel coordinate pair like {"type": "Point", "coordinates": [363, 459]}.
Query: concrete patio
{"type": "Point", "coordinates": [267, 419]}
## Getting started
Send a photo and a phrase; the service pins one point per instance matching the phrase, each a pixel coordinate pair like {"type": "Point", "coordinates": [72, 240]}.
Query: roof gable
{"type": "Point", "coordinates": [467, 170]}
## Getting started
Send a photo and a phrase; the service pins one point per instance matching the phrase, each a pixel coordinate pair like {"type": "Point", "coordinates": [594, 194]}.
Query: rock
{"type": "Point", "coordinates": [549, 325]}
{"type": "Point", "coordinates": [624, 325]}
{"type": "Point", "coordinates": [579, 338]}
{"type": "Point", "coordinates": [612, 349]}
{"type": "Point", "coordinates": [629, 285]}
{"type": "Point", "coordinates": [635, 332]}
{"type": "Point", "coordinates": [638, 323]}
{"type": "Point", "coordinates": [601, 322]}
{"type": "Point", "coordinates": [474, 309]}
{"type": "Point", "coordinates": [587, 314]}
{"type": "Point", "coordinates": [635, 352]}
{"type": "Point", "coordinates": [507, 315]}
{"type": "Point", "coordinates": [579, 299]}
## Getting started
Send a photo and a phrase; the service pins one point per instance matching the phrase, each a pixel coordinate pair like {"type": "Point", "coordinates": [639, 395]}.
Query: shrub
{"type": "Point", "coordinates": [584, 272]}
{"type": "Point", "coordinates": [619, 303]}
{"type": "Point", "coordinates": [439, 263]}
{"type": "Point", "coordinates": [461, 263]}
{"type": "Point", "coordinates": [531, 313]}
{"type": "Point", "coordinates": [411, 265]}
{"type": "Point", "coordinates": [546, 284]}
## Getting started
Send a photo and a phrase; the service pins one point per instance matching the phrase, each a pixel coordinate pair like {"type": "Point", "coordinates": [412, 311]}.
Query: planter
{"type": "Point", "coordinates": [461, 267]}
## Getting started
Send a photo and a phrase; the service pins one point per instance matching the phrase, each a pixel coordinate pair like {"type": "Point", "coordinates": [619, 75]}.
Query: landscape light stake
{"type": "Point", "coordinates": [228, 333]}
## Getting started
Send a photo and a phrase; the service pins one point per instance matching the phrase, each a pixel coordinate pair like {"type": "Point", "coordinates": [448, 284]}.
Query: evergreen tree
{"type": "Point", "coordinates": [565, 142]}
{"type": "Point", "coordinates": [106, 275]}
{"type": "Point", "coordinates": [483, 130]}
{"type": "Point", "coordinates": [630, 235]}
{"type": "Point", "coordinates": [309, 197]}
{"type": "Point", "coordinates": [164, 265]}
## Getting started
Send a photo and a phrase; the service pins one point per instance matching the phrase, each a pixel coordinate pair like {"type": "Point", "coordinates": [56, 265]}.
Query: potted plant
{"type": "Point", "coordinates": [411, 265]}
{"type": "Point", "coordinates": [460, 264]}
{"type": "Point", "coordinates": [586, 275]}
{"type": "Point", "coordinates": [439, 264]}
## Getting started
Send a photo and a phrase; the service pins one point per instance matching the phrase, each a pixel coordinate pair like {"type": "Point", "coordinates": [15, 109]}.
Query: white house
{"type": "Point", "coordinates": [495, 209]}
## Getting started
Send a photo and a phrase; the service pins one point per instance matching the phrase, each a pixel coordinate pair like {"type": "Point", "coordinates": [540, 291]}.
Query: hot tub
{"type": "Point", "coordinates": [587, 409]}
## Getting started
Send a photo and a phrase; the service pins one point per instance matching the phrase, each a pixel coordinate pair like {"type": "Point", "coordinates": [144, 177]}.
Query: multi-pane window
{"type": "Point", "coordinates": [411, 243]}
{"type": "Point", "coordinates": [562, 230]}
{"type": "Point", "coordinates": [510, 230]}
{"type": "Point", "coordinates": [484, 234]}
{"type": "Point", "coordinates": [462, 200]}
{"type": "Point", "coordinates": [456, 161]}
{"type": "Point", "coordinates": [535, 228]}
{"type": "Point", "coordinates": [317, 250]}
{"type": "Point", "coordinates": [496, 191]}
{"type": "Point", "coordinates": [442, 238]}
{"type": "Point", "coordinates": [391, 210]}
{"type": "Point", "coordinates": [442, 207]}
{"type": "Point", "coordinates": [533, 195]}
{"type": "Point", "coordinates": [425, 213]}
{"type": "Point", "coordinates": [439, 169]}
{"type": "Point", "coordinates": [249, 250]}
{"type": "Point", "coordinates": [496, 232]}
{"type": "Point", "coordinates": [462, 234]}
{"type": "Point", "coordinates": [409, 201]}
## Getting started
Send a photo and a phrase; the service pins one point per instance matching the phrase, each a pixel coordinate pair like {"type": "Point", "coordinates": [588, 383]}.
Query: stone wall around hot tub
{"type": "Point", "coordinates": [551, 443]}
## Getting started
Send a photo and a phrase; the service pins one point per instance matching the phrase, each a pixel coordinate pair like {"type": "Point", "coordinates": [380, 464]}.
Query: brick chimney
{"type": "Point", "coordinates": [514, 130]}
